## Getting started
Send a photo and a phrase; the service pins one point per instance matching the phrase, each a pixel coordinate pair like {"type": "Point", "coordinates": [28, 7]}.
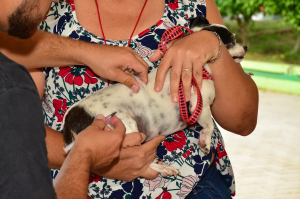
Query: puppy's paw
{"type": "Point", "coordinates": [204, 142]}
{"type": "Point", "coordinates": [205, 149]}
{"type": "Point", "coordinates": [164, 170]}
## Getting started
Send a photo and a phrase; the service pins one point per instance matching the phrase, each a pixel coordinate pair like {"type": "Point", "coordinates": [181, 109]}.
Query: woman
{"type": "Point", "coordinates": [113, 22]}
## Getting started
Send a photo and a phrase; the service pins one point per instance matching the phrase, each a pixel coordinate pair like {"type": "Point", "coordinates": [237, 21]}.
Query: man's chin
{"type": "Point", "coordinates": [25, 34]}
{"type": "Point", "coordinates": [23, 22]}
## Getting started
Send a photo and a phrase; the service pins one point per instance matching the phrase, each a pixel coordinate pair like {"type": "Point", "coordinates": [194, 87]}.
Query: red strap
{"type": "Point", "coordinates": [174, 33]}
{"type": "Point", "coordinates": [170, 34]}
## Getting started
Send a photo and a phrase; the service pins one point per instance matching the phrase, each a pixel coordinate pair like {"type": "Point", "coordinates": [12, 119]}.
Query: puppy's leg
{"type": "Point", "coordinates": [164, 170]}
{"type": "Point", "coordinates": [131, 126]}
{"type": "Point", "coordinates": [205, 120]}
{"type": "Point", "coordinates": [129, 123]}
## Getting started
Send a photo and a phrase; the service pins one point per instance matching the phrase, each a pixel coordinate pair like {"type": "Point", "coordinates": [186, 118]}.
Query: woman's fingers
{"type": "Point", "coordinates": [161, 73]}
{"type": "Point", "coordinates": [175, 75]}
{"type": "Point", "coordinates": [198, 75]}
{"type": "Point", "coordinates": [186, 76]}
{"type": "Point", "coordinates": [157, 55]}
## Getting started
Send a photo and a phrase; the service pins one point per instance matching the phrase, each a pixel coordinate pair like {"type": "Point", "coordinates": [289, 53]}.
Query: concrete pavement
{"type": "Point", "coordinates": [266, 163]}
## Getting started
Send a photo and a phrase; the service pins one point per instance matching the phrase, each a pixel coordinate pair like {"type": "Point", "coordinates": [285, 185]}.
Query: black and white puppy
{"type": "Point", "coordinates": [152, 113]}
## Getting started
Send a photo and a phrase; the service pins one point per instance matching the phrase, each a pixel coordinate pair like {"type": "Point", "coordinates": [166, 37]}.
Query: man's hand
{"type": "Point", "coordinates": [50, 50]}
{"type": "Point", "coordinates": [134, 159]}
{"type": "Point", "coordinates": [117, 64]}
{"type": "Point", "coordinates": [101, 147]}
{"type": "Point", "coordinates": [93, 148]}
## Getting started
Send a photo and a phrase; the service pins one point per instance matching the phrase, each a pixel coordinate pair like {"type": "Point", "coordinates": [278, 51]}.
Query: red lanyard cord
{"type": "Point", "coordinates": [133, 28]}
{"type": "Point", "coordinates": [169, 35]}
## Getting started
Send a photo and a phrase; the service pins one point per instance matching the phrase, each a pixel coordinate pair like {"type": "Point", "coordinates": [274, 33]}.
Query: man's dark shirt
{"type": "Point", "coordinates": [24, 171]}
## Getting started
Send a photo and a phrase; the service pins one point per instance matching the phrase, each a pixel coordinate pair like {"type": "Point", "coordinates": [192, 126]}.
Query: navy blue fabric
{"type": "Point", "coordinates": [211, 186]}
{"type": "Point", "coordinates": [24, 171]}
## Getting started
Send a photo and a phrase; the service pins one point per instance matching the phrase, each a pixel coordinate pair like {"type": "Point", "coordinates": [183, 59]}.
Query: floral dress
{"type": "Point", "coordinates": [66, 85]}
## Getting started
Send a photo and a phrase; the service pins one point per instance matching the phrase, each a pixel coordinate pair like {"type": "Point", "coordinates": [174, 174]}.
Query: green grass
{"type": "Point", "coordinates": [270, 40]}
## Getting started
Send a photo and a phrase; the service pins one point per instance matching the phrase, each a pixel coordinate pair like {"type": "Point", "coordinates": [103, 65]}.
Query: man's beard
{"type": "Point", "coordinates": [23, 22]}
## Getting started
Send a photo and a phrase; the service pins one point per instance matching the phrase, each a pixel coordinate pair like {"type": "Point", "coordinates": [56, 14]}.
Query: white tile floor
{"type": "Point", "coordinates": [267, 163]}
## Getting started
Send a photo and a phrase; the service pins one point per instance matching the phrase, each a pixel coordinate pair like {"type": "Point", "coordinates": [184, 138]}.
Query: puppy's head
{"type": "Point", "coordinates": [237, 51]}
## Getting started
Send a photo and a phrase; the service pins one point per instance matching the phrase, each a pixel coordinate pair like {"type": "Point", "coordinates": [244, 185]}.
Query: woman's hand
{"type": "Point", "coordinates": [190, 52]}
{"type": "Point", "coordinates": [134, 159]}
{"type": "Point", "coordinates": [117, 64]}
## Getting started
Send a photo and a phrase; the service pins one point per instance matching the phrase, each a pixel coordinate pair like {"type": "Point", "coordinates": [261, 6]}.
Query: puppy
{"type": "Point", "coordinates": [150, 112]}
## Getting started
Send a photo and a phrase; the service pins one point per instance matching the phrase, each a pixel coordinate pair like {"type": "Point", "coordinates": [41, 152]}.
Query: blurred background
{"type": "Point", "coordinates": [266, 163]}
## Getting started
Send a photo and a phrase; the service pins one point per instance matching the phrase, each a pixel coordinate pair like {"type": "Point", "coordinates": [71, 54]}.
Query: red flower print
{"type": "Point", "coordinates": [74, 75]}
{"type": "Point", "coordinates": [176, 141]}
{"type": "Point", "coordinates": [186, 154]}
{"type": "Point", "coordinates": [60, 106]}
{"type": "Point", "coordinates": [94, 178]}
{"type": "Point", "coordinates": [89, 77]}
{"type": "Point", "coordinates": [173, 5]}
{"type": "Point", "coordinates": [71, 2]}
{"type": "Point", "coordinates": [220, 150]}
{"type": "Point", "coordinates": [164, 195]}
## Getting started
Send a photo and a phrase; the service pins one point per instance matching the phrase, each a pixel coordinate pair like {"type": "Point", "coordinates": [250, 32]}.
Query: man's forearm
{"type": "Point", "coordinates": [43, 50]}
{"type": "Point", "coordinates": [73, 178]}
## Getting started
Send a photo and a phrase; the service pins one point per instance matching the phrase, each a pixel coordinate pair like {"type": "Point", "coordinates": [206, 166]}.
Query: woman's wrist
{"type": "Point", "coordinates": [214, 45]}
{"type": "Point", "coordinates": [220, 48]}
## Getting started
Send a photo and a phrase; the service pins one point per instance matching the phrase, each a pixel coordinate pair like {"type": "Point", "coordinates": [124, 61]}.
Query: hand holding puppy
{"type": "Point", "coordinates": [117, 64]}
{"type": "Point", "coordinates": [94, 148]}
{"type": "Point", "coordinates": [190, 52]}
{"type": "Point", "coordinates": [100, 146]}
{"type": "Point", "coordinates": [134, 159]}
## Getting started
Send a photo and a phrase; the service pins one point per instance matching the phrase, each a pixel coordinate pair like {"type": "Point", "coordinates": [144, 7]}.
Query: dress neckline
{"type": "Point", "coordinates": [125, 41]}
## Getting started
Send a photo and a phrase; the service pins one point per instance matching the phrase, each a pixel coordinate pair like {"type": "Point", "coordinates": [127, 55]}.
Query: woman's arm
{"type": "Point", "coordinates": [39, 80]}
{"type": "Point", "coordinates": [236, 103]}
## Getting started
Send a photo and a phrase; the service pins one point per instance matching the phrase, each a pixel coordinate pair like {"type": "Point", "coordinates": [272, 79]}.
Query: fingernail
{"type": "Point", "coordinates": [135, 88]}
{"type": "Point", "coordinates": [100, 117]}
{"type": "Point", "coordinates": [143, 136]}
{"type": "Point", "coordinates": [157, 88]}
{"type": "Point", "coordinates": [175, 99]}
{"type": "Point", "coordinates": [186, 98]}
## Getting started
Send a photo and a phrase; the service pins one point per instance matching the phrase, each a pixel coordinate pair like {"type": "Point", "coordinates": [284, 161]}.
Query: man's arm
{"type": "Point", "coordinates": [44, 49]}
{"type": "Point", "coordinates": [93, 148]}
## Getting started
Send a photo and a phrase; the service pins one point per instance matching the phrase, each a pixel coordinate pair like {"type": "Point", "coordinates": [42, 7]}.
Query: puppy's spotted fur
{"type": "Point", "coordinates": [148, 111]}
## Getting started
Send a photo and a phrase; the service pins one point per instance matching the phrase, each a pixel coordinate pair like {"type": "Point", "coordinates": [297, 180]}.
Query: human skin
{"type": "Point", "coordinates": [235, 106]}
{"type": "Point", "coordinates": [8, 7]}
{"type": "Point", "coordinates": [87, 154]}
{"type": "Point", "coordinates": [236, 103]}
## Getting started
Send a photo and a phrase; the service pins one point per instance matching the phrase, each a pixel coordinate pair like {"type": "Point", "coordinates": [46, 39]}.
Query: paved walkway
{"type": "Point", "coordinates": [266, 163]}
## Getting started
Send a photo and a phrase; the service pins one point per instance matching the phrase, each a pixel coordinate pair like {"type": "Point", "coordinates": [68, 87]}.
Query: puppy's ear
{"type": "Point", "coordinates": [198, 21]}
{"type": "Point", "coordinates": [191, 21]}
